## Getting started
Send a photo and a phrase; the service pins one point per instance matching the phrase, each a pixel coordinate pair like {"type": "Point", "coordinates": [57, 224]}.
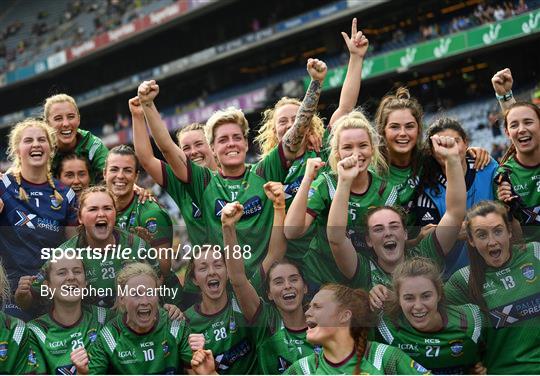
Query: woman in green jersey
{"type": "Point", "coordinates": [443, 338]}
{"type": "Point", "coordinates": [519, 173]}
{"type": "Point", "coordinates": [147, 219]}
{"type": "Point", "coordinates": [386, 231]}
{"type": "Point", "coordinates": [61, 112]}
{"type": "Point", "coordinates": [111, 249]}
{"type": "Point", "coordinates": [502, 280]}
{"type": "Point", "coordinates": [352, 138]}
{"type": "Point", "coordinates": [399, 121]}
{"type": "Point", "coordinates": [15, 354]}
{"type": "Point", "coordinates": [339, 320]}
{"type": "Point", "coordinates": [226, 132]}
{"type": "Point", "coordinates": [69, 324]}
{"type": "Point", "coordinates": [278, 328]}
{"type": "Point", "coordinates": [142, 339]}
{"type": "Point", "coordinates": [74, 172]}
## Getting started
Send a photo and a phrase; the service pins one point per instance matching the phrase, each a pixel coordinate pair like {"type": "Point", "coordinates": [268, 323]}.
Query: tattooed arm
{"type": "Point", "coordinates": [174, 155]}
{"type": "Point", "coordinates": [292, 141]}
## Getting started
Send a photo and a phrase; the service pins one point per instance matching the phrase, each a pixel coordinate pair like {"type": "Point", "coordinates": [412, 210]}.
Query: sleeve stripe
{"type": "Point", "coordinates": [111, 342]}
{"type": "Point", "coordinates": [331, 189]}
{"type": "Point", "coordinates": [93, 150]}
{"type": "Point", "coordinates": [385, 332]}
{"type": "Point", "coordinates": [303, 363]}
{"type": "Point", "coordinates": [477, 322]}
{"type": "Point", "coordinates": [379, 354]}
{"type": "Point", "coordinates": [465, 272]}
{"type": "Point", "coordinates": [235, 305]}
{"type": "Point", "coordinates": [536, 246]}
{"type": "Point", "coordinates": [6, 180]}
{"type": "Point", "coordinates": [392, 198]}
{"type": "Point", "coordinates": [175, 328]}
{"type": "Point", "coordinates": [70, 195]}
{"type": "Point", "coordinates": [102, 315]}
{"type": "Point", "coordinates": [38, 332]}
{"type": "Point", "coordinates": [19, 331]}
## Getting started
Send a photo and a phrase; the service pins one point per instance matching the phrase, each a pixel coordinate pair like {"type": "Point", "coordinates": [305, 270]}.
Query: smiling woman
{"type": "Point", "coordinates": [142, 339]}
{"type": "Point", "coordinates": [61, 113]}
{"type": "Point", "coordinates": [35, 204]}
{"type": "Point", "coordinates": [69, 324]}
{"type": "Point", "coordinates": [339, 320]}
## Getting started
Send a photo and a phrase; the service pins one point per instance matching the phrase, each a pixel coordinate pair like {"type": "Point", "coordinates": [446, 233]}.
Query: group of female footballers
{"type": "Point", "coordinates": [307, 262]}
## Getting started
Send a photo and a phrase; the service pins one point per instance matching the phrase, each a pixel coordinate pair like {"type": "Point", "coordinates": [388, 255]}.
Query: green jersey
{"type": "Point", "coordinates": [101, 269]}
{"type": "Point", "coordinates": [369, 273]}
{"type": "Point", "coordinates": [380, 359]}
{"type": "Point", "coordinates": [15, 354]}
{"type": "Point", "coordinates": [407, 184]}
{"type": "Point", "coordinates": [119, 350]}
{"type": "Point", "coordinates": [214, 191]}
{"type": "Point", "coordinates": [190, 210]}
{"type": "Point", "coordinates": [525, 183]}
{"type": "Point", "coordinates": [90, 147]}
{"type": "Point", "coordinates": [227, 334]}
{"type": "Point", "coordinates": [319, 264]}
{"type": "Point", "coordinates": [52, 343]}
{"type": "Point", "coordinates": [277, 346]}
{"type": "Point", "coordinates": [297, 248]}
{"type": "Point", "coordinates": [452, 350]}
{"type": "Point", "coordinates": [149, 216]}
{"type": "Point", "coordinates": [512, 296]}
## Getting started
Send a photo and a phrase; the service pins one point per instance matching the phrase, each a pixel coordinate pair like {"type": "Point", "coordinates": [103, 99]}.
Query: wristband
{"type": "Point", "coordinates": [505, 97]}
{"type": "Point", "coordinates": [279, 206]}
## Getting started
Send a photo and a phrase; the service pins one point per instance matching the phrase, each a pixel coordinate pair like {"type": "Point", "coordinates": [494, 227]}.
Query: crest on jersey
{"type": "Point", "coordinates": [165, 347]}
{"type": "Point", "coordinates": [3, 351]}
{"type": "Point", "coordinates": [32, 358]}
{"type": "Point", "coordinates": [55, 205]}
{"type": "Point", "coordinates": [456, 347]}
{"type": "Point", "coordinates": [418, 367]}
{"type": "Point", "coordinates": [528, 272]}
{"type": "Point", "coordinates": [151, 225]}
{"type": "Point", "coordinates": [92, 335]}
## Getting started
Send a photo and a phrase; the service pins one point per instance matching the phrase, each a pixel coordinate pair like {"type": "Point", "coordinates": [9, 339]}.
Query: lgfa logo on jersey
{"type": "Point", "coordinates": [456, 346]}
{"type": "Point", "coordinates": [92, 334]}
{"type": "Point", "coordinates": [165, 347]}
{"type": "Point", "coordinates": [55, 205]}
{"type": "Point", "coordinates": [528, 272]}
{"type": "Point", "coordinates": [3, 351]}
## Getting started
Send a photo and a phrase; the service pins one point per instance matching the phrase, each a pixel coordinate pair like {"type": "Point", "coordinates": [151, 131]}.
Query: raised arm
{"type": "Point", "coordinates": [292, 140]}
{"type": "Point", "coordinates": [336, 230]}
{"type": "Point", "coordinates": [278, 243]}
{"type": "Point", "coordinates": [357, 44]}
{"type": "Point", "coordinates": [174, 155]}
{"type": "Point", "coordinates": [456, 193]}
{"type": "Point", "coordinates": [298, 220]}
{"type": "Point", "coordinates": [502, 82]}
{"type": "Point", "coordinates": [141, 142]}
{"type": "Point", "coordinates": [245, 293]}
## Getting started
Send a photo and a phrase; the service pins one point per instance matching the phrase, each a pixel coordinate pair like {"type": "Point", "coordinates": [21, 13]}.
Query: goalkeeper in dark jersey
{"type": "Point", "coordinates": [446, 339]}
{"type": "Point", "coordinates": [142, 339]}
{"type": "Point", "coordinates": [70, 324]}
